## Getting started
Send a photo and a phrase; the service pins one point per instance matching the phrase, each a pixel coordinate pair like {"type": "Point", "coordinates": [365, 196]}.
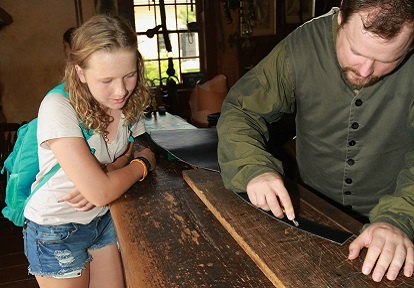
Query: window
{"type": "Point", "coordinates": [180, 16]}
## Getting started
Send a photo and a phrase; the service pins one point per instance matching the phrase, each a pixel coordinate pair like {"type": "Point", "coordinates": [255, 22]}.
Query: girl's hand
{"type": "Point", "coordinates": [77, 201]}
{"type": "Point", "coordinates": [149, 155]}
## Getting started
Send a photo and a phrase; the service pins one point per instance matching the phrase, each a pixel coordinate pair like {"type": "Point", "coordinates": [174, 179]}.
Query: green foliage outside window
{"type": "Point", "coordinates": [152, 69]}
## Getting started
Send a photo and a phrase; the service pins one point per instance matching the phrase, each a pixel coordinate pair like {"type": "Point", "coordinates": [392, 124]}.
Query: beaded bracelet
{"type": "Point", "coordinates": [145, 173]}
{"type": "Point", "coordinates": [145, 160]}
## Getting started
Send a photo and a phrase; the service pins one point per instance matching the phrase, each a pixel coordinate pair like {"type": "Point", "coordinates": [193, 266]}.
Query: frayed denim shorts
{"type": "Point", "coordinates": [61, 251]}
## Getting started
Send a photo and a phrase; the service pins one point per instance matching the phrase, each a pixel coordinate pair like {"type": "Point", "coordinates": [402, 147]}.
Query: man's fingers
{"type": "Point", "coordinates": [260, 200]}
{"type": "Point", "coordinates": [274, 205]}
{"type": "Point", "coordinates": [396, 263]}
{"type": "Point", "coordinates": [253, 198]}
{"type": "Point", "coordinates": [388, 250]}
{"type": "Point", "coordinates": [374, 251]}
{"type": "Point", "coordinates": [409, 262]}
{"type": "Point", "coordinates": [384, 260]}
{"type": "Point", "coordinates": [356, 246]}
{"type": "Point", "coordinates": [285, 202]}
{"type": "Point", "coordinates": [267, 191]}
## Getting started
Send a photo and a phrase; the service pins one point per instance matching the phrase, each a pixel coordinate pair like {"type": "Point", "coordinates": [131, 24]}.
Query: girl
{"type": "Point", "coordinates": [69, 237]}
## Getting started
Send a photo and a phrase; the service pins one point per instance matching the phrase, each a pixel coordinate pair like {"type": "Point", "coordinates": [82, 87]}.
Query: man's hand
{"type": "Point", "coordinates": [388, 248]}
{"type": "Point", "coordinates": [77, 201]}
{"type": "Point", "coordinates": [268, 192]}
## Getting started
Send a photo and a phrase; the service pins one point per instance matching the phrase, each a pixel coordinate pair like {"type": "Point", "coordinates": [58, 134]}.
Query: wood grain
{"type": "Point", "coordinates": [13, 263]}
{"type": "Point", "coordinates": [168, 237]}
{"type": "Point", "coordinates": [287, 256]}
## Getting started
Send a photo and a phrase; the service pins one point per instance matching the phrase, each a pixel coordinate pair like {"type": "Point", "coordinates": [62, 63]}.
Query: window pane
{"type": "Point", "coordinates": [184, 43]}
{"type": "Point", "coordinates": [189, 44]}
{"type": "Point", "coordinates": [148, 47]}
{"type": "Point", "coordinates": [170, 15]}
{"type": "Point", "coordinates": [164, 67]}
{"type": "Point", "coordinates": [174, 44]}
{"type": "Point", "coordinates": [141, 2]}
{"type": "Point", "coordinates": [152, 71]}
{"type": "Point", "coordinates": [161, 44]}
{"type": "Point", "coordinates": [144, 19]}
{"type": "Point", "coordinates": [185, 15]}
{"type": "Point", "coordinates": [190, 65]}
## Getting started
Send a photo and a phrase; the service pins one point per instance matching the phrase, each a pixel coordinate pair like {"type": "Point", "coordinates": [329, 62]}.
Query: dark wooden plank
{"type": "Point", "coordinates": [13, 262]}
{"type": "Point", "coordinates": [11, 239]}
{"type": "Point", "coordinates": [289, 257]}
{"type": "Point", "coordinates": [16, 273]}
{"type": "Point", "coordinates": [13, 259]}
{"type": "Point", "coordinates": [168, 237]}
{"type": "Point", "coordinates": [27, 283]}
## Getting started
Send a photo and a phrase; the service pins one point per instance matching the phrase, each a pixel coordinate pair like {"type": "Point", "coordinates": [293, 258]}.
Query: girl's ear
{"type": "Point", "coordinates": [79, 71]}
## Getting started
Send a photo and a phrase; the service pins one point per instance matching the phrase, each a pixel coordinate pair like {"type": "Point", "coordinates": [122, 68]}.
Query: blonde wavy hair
{"type": "Point", "coordinates": [103, 32]}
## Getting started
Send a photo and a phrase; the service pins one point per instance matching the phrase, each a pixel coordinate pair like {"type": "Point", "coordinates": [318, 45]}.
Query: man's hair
{"type": "Point", "coordinates": [385, 17]}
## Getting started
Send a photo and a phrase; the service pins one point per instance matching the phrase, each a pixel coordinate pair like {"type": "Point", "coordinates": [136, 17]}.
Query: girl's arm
{"type": "Point", "coordinates": [98, 187]}
{"type": "Point", "coordinates": [121, 161]}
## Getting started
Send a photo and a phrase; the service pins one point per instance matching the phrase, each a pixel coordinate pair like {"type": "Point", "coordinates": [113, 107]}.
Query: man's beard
{"type": "Point", "coordinates": [357, 83]}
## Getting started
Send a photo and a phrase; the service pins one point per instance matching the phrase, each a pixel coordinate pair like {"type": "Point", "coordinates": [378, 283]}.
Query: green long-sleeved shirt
{"type": "Point", "coordinates": [350, 147]}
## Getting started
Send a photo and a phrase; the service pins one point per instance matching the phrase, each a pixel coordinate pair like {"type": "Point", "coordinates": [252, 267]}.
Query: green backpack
{"type": "Point", "coordinates": [22, 166]}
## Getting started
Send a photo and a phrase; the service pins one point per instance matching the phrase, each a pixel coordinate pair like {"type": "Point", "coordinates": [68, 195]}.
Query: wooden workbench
{"type": "Point", "coordinates": [168, 237]}
{"type": "Point", "coordinates": [171, 237]}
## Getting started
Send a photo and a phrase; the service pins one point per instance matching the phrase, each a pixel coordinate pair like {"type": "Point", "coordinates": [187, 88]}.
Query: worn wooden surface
{"type": "Point", "coordinates": [289, 257]}
{"type": "Point", "coordinates": [13, 263]}
{"type": "Point", "coordinates": [168, 237]}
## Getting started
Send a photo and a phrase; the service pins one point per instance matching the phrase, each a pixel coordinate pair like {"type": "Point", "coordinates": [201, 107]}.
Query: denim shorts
{"type": "Point", "coordinates": [61, 251]}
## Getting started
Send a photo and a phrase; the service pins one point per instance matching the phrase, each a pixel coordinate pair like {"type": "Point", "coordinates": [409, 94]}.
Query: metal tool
{"type": "Point", "coordinates": [328, 233]}
{"type": "Point", "coordinates": [296, 223]}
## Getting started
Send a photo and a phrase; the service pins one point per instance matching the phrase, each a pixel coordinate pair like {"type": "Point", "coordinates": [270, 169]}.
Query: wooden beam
{"type": "Point", "coordinates": [287, 256]}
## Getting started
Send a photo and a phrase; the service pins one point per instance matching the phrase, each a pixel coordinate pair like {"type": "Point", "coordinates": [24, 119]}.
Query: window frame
{"type": "Point", "coordinates": [154, 6]}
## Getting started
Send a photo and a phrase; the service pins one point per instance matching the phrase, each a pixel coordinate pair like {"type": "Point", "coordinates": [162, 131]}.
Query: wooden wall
{"type": "Point", "coordinates": [31, 52]}
{"type": "Point", "coordinates": [32, 58]}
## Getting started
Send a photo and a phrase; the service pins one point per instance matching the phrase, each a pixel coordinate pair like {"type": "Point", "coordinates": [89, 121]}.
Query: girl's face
{"type": "Point", "coordinates": [111, 76]}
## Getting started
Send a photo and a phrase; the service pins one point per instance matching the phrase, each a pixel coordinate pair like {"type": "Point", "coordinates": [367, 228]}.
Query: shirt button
{"type": "Point", "coordinates": [352, 143]}
{"type": "Point", "coordinates": [348, 181]}
{"type": "Point", "coordinates": [347, 192]}
{"type": "Point", "coordinates": [355, 125]}
{"type": "Point", "coordinates": [351, 162]}
{"type": "Point", "coordinates": [358, 102]}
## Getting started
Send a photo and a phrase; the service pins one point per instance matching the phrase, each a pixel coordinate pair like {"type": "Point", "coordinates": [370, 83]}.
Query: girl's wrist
{"type": "Point", "coordinates": [145, 164]}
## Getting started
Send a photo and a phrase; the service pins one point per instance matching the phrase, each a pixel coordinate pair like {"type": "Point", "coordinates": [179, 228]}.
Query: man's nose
{"type": "Point", "coordinates": [366, 68]}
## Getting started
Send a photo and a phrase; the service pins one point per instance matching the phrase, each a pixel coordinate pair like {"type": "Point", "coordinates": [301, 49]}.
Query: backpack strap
{"type": "Point", "coordinates": [130, 138]}
{"type": "Point", "coordinates": [45, 178]}
{"type": "Point", "coordinates": [86, 134]}
{"type": "Point", "coordinates": [60, 89]}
